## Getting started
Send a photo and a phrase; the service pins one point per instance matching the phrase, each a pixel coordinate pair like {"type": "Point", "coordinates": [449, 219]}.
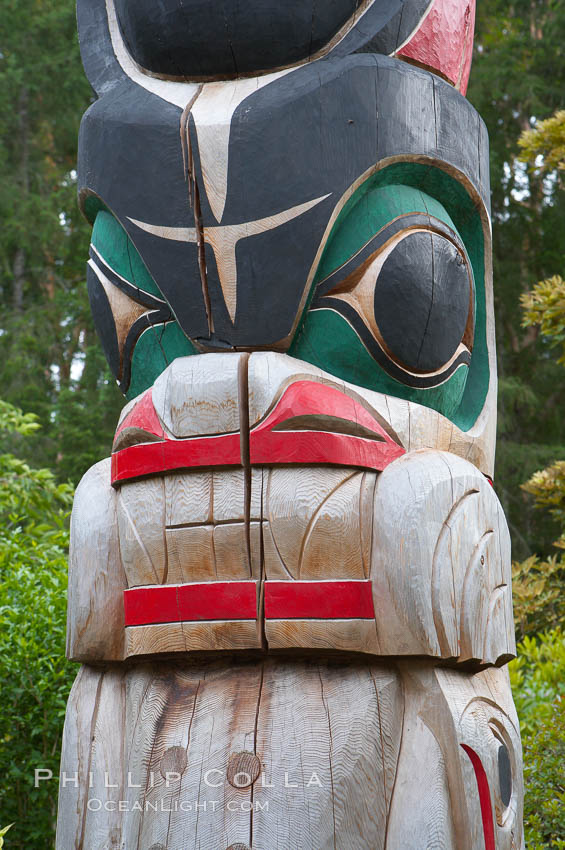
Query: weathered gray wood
{"type": "Point", "coordinates": [224, 734]}
{"type": "Point", "coordinates": [441, 570]}
{"type": "Point", "coordinates": [211, 407]}
{"type": "Point", "coordinates": [95, 611]}
{"type": "Point", "coordinates": [348, 635]}
{"type": "Point", "coordinates": [141, 521]}
{"type": "Point", "coordinates": [92, 774]}
{"type": "Point", "coordinates": [191, 637]}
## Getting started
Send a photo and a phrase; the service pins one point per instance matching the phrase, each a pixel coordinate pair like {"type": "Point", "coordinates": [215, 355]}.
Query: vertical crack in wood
{"type": "Point", "coordinates": [326, 707]}
{"type": "Point", "coordinates": [148, 778]}
{"type": "Point", "coordinates": [89, 764]}
{"type": "Point", "coordinates": [261, 680]}
{"type": "Point", "coordinates": [243, 400]}
{"type": "Point", "coordinates": [187, 749]}
{"type": "Point", "coordinates": [165, 547]}
{"type": "Point", "coordinates": [383, 761]}
{"type": "Point", "coordinates": [262, 571]}
{"type": "Point", "coordinates": [398, 755]}
{"type": "Point", "coordinates": [194, 203]}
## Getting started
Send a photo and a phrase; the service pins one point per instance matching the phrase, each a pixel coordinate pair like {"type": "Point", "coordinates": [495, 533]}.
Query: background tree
{"type": "Point", "coordinates": [518, 79]}
{"type": "Point", "coordinates": [538, 675]}
{"type": "Point", "coordinates": [50, 360]}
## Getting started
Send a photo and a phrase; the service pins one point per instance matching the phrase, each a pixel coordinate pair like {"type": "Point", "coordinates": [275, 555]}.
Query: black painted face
{"type": "Point", "coordinates": [267, 197]}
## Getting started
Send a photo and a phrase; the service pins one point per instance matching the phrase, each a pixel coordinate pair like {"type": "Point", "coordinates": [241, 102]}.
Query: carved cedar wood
{"type": "Point", "coordinates": [290, 585]}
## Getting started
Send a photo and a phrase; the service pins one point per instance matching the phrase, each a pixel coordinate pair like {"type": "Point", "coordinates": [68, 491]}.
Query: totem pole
{"type": "Point", "coordinates": [290, 584]}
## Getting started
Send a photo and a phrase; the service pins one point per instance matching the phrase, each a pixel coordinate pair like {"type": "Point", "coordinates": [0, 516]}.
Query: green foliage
{"type": "Point", "coordinates": [538, 683]}
{"type": "Point", "coordinates": [544, 306]}
{"type": "Point", "coordinates": [537, 676]}
{"type": "Point", "coordinates": [34, 677]}
{"type": "Point", "coordinates": [546, 139]}
{"type": "Point", "coordinates": [13, 419]}
{"type": "Point", "coordinates": [3, 833]}
{"type": "Point", "coordinates": [548, 488]}
{"type": "Point", "coordinates": [537, 588]}
{"type": "Point", "coordinates": [517, 80]}
{"type": "Point", "coordinates": [544, 756]}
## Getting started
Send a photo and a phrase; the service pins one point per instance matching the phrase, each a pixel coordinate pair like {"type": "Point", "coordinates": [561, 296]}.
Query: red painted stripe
{"type": "Point", "coordinates": [484, 797]}
{"type": "Point", "coordinates": [175, 603]}
{"type": "Point", "coordinates": [156, 458]}
{"type": "Point", "coordinates": [287, 600]}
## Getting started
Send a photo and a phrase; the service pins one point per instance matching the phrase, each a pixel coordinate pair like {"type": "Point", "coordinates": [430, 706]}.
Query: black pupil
{"type": "Point", "coordinates": [504, 774]}
{"type": "Point", "coordinates": [422, 301]}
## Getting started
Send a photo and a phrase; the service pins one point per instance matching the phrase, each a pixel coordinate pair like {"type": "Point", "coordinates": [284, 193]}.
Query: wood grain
{"type": "Point", "coordinates": [441, 570]}
{"type": "Point", "coordinates": [199, 395]}
{"type": "Point", "coordinates": [336, 752]}
{"type": "Point", "coordinates": [92, 759]}
{"type": "Point", "coordinates": [348, 635]}
{"type": "Point", "coordinates": [189, 498]}
{"type": "Point", "coordinates": [294, 500]}
{"type": "Point", "coordinates": [141, 522]}
{"type": "Point", "coordinates": [350, 717]}
{"type": "Point", "coordinates": [95, 612]}
{"type": "Point", "coordinates": [191, 554]}
{"type": "Point", "coordinates": [191, 637]}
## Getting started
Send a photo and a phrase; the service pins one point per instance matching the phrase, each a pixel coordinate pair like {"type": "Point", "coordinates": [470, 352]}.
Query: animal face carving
{"type": "Point", "coordinates": [361, 248]}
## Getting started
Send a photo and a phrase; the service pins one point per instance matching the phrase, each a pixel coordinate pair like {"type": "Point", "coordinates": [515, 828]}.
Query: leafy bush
{"type": "Point", "coordinates": [537, 587]}
{"type": "Point", "coordinates": [544, 757]}
{"type": "Point", "coordinates": [538, 683]}
{"type": "Point", "coordinates": [34, 676]}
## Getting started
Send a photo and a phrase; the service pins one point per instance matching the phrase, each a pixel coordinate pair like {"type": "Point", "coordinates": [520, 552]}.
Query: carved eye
{"type": "Point", "coordinates": [502, 772]}
{"type": "Point", "coordinates": [409, 294]}
{"type": "Point", "coordinates": [504, 775]}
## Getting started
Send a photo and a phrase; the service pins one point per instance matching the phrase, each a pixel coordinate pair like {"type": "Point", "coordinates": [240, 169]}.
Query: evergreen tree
{"type": "Point", "coordinates": [50, 361]}
{"type": "Point", "coordinates": [518, 78]}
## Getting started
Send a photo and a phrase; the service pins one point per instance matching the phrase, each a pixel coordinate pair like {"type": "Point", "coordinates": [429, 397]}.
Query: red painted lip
{"type": "Point", "coordinates": [311, 423]}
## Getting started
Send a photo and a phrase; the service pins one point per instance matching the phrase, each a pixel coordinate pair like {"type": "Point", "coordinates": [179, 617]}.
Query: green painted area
{"type": "Point", "coordinates": [332, 343]}
{"type": "Point", "coordinates": [362, 217]}
{"type": "Point", "coordinates": [114, 245]}
{"type": "Point", "coordinates": [159, 345]}
{"type": "Point", "coordinates": [156, 348]}
{"type": "Point", "coordinates": [325, 339]}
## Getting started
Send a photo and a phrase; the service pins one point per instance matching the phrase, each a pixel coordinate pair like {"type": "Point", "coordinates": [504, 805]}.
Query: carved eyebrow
{"type": "Point", "coordinates": [409, 221]}
{"type": "Point", "coordinates": [330, 424]}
